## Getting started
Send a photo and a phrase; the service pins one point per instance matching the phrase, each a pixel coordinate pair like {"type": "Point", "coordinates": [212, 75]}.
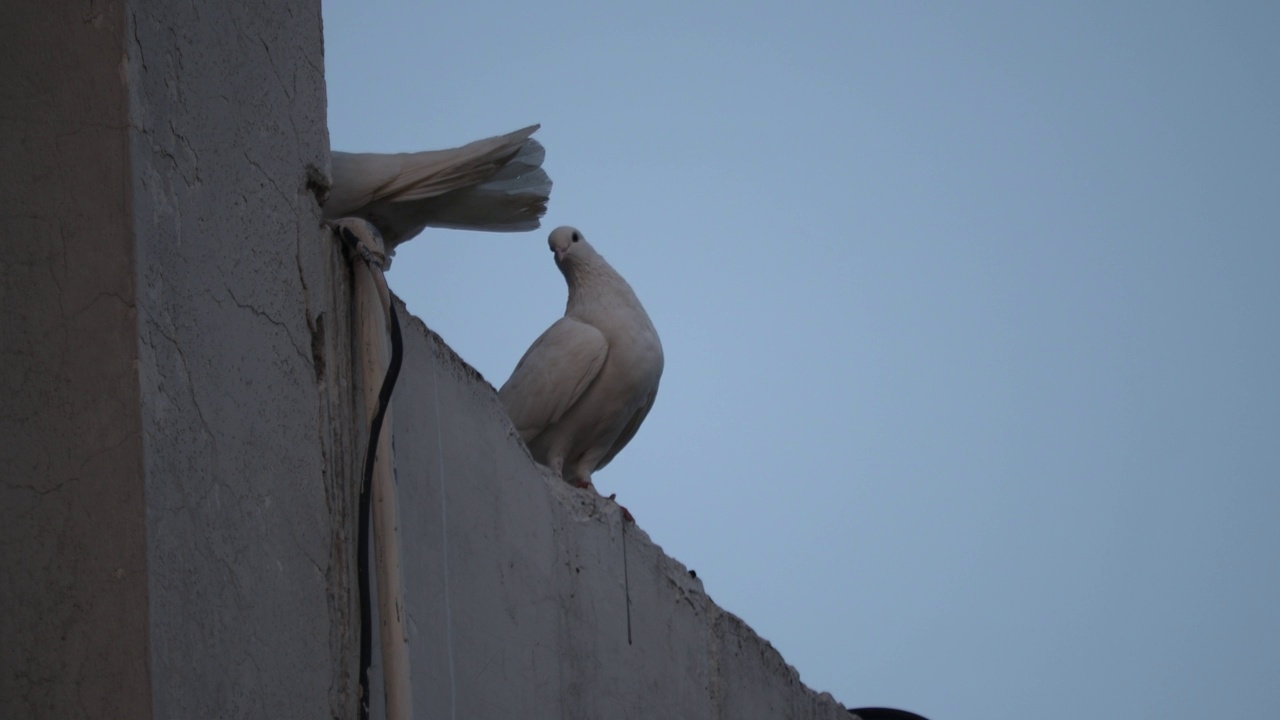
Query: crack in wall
{"type": "Point", "coordinates": [152, 325]}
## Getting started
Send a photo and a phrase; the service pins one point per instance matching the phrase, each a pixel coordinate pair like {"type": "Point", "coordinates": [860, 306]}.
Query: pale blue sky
{"type": "Point", "coordinates": [972, 402]}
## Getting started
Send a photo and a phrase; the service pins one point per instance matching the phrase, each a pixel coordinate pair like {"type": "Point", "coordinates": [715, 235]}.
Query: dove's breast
{"type": "Point", "coordinates": [609, 412]}
{"type": "Point", "coordinates": [635, 357]}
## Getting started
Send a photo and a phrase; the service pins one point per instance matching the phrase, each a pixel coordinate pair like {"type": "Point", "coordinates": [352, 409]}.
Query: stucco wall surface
{"type": "Point", "coordinates": [73, 592]}
{"type": "Point", "coordinates": [243, 354]}
{"type": "Point", "coordinates": [175, 437]}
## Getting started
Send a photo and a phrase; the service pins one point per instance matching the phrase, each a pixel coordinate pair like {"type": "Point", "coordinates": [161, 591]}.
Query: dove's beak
{"type": "Point", "coordinates": [560, 255]}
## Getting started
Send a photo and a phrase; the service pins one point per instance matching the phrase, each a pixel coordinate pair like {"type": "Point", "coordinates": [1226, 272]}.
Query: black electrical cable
{"type": "Point", "coordinates": [370, 456]}
{"type": "Point", "coordinates": [626, 579]}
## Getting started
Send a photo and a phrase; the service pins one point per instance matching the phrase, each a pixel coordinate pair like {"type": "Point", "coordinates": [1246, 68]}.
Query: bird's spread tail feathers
{"type": "Point", "coordinates": [494, 184]}
{"type": "Point", "coordinates": [511, 200]}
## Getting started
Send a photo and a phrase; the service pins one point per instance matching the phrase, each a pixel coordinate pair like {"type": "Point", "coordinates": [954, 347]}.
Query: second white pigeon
{"type": "Point", "coordinates": [583, 388]}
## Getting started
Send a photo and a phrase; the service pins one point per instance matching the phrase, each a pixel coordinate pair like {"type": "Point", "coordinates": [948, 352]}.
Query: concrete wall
{"type": "Point", "coordinates": [177, 448]}
{"type": "Point", "coordinates": [73, 593]}
{"type": "Point", "coordinates": [177, 452]}
{"type": "Point", "coordinates": [243, 360]}
{"type": "Point", "coordinates": [517, 585]}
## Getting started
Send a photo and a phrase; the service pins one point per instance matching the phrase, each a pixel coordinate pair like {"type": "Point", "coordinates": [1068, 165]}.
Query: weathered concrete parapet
{"type": "Point", "coordinates": [517, 584]}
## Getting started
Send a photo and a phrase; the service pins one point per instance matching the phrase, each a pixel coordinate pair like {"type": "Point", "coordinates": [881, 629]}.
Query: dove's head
{"type": "Point", "coordinates": [568, 244]}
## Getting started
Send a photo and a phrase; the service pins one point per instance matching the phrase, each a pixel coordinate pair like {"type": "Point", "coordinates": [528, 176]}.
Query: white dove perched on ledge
{"type": "Point", "coordinates": [579, 394]}
{"type": "Point", "coordinates": [496, 184]}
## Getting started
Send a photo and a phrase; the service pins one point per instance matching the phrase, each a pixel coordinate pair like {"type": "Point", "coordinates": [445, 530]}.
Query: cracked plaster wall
{"type": "Point", "coordinates": [243, 336]}
{"type": "Point", "coordinates": [177, 446]}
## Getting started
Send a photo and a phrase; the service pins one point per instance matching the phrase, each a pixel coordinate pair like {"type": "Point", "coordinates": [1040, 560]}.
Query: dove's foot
{"type": "Point", "coordinates": [584, 484]}
{"type": "Point", "coordinates": [626, 514]}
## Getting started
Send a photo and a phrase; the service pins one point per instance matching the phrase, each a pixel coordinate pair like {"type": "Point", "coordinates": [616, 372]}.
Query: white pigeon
{"type": "Point", "coordinates": [580, 392]}
{"type": "Point", "coordinates": [496, 184]}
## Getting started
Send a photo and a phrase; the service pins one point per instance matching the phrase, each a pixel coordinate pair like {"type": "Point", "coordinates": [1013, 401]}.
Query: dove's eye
{"type": "Point", "coordinates": [576, 237]}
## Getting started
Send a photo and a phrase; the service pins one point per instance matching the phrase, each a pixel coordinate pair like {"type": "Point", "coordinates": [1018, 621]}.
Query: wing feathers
{"type": "Point", "coordinates": [552, 375]}
{"type": "Point", "coordinates": [628, 432]}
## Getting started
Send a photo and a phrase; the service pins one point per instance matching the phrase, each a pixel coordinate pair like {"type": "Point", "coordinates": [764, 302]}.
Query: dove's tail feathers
{"type": "Point", "coordinates": [363, 179]}
{"type": "Point", "coordinates": [495, 184]}
{"type": "Point", "coordinates": [513, 199]}
{"type": "Point", "coordinates": [436, 172]}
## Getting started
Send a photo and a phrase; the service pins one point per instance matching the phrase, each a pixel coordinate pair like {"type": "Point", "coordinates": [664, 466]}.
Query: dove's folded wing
{"type": "Point", "coordinates": [552, 375]}
{"type": "Point", "coordinates": [629, 431]}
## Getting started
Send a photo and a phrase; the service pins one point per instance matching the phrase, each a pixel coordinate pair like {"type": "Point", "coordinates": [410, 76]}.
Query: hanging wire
{"type": "Point", "coordinates": [370, 458]}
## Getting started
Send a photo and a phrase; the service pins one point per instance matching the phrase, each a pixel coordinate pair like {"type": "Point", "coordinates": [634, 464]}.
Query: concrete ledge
{"type": "Point", "coordinates": [515, 585]}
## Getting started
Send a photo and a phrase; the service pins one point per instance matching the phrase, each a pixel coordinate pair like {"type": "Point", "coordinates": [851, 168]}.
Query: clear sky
{"type": "Point", "coordinates": [971, 318]}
